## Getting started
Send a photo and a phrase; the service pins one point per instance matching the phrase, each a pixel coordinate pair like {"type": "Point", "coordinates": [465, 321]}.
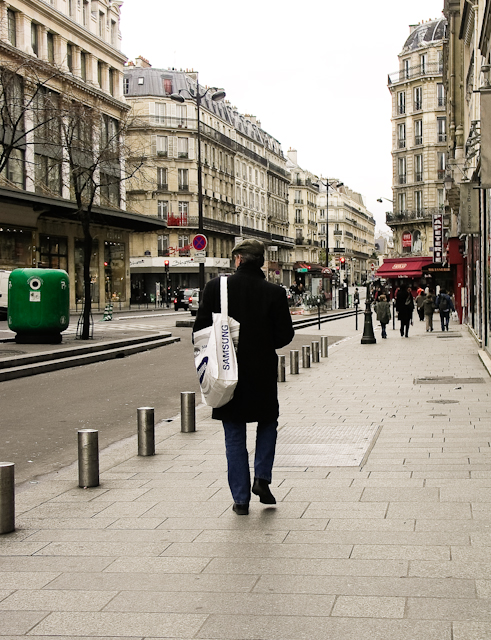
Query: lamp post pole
{"type": "Point", "coordinates": [201, 266]}
{"type": "Point", "coordinates": [216, 96]}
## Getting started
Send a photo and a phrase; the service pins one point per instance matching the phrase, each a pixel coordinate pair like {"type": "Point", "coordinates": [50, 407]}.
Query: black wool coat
{"type": "Point", "coordinates": [265, 325]}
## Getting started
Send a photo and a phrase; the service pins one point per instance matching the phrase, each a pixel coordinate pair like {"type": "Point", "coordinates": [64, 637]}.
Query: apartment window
{"type": "Point", "coordinates": [423, 63]}
{"type": "Point", "coordinates": [12, 27]}
{"type": "Point", "coordinates": [99, 73]}
{"type": "Point", "coordinates": [184, 246]}
{"type": "Point", "coordinates": [244, 172]}
{"type": "Point", "coordinates": [181, 112]}
{"type": "Point", "coordinates": [442, 129]}
{"type": "Point", "coordinates": [418, 168]}
{"type": "Point", "coordinates": [162, 209]}
{"type": "Point", "coordinates": [401, 135]}
{"type": "Point", "coordinates": [440, 94]}
{"type": "Point", "coordinates": [71, 8]}
{"type": "Point", "coordinates": [34, 38]}
{"type": "Point", "coordinates": [401, 202]}
{"type": "Point", "coordinates": [441, 164]}
{"type": "Point", "coordinates": [101, 24]}
{"type": "Point", "coordinates": [83, 65]}
{"type": "Point", "coordinates": [406, 69]}
{"type": "Point", "coordinates": [167, 85]}
{"type": "Point", "coordinates": [401, 102]}
{"type": "Point", "coordinates": [140, 81]}
{"type": "Point", "coordinates": [112, 75]}
{"type": "Point", "coordinates": [418, 201]}
{"type": "Point", "coordinates": [51, 46]}
{"type": "Point", "coordinates": [401, 165]}
{"type": "Point", "coordinates": [183, 207]}
{"type": "Point", "coordinates": [440, 197]}
{"type": "Point", "coordinates": [298, 216]}
{"type": "Point", "coordinates": [298, 197]}
{"type": "Point", "coordinates": [126, 86]}
{"type": "Point", "coordinates": [162, 246]}
{"type": "Point", "coordinates": [161, 146]}
{"type": "Point", "coordinates": [114, 33]}
{"type": "Point", "coordinates": [182, 148]}
{"type": "Point", "coordinates": [110, 193]}
{"type": "Point", "coordinates": [161, 178]}
{"type": "Point", "coordinates": [69, 57]}
{"type": "Point", "coordinates": [418, 98]}
{"type": "Point", "coordinates": [418, 132]}
{"type": "Point", "coordinates": [85, 13]}
{"type": "Point", "coordinates": [183, 179]}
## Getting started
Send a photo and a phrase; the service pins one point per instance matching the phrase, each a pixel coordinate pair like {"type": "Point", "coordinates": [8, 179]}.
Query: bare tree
{"type": "Point", "coordinates": [70, 145]}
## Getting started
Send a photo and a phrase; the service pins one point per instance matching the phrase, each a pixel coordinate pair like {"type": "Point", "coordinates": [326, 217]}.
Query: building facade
{"type": "Point", "coordinates": [467, 62]}
{"type": "Point", "coordinates": [419, 139]}
{"type": "Point", "coordinates": [351, 232]}
{"type": "Point", "coordinates": [238, 163]}
{"type": "Point", "coordinates": [61, 49]}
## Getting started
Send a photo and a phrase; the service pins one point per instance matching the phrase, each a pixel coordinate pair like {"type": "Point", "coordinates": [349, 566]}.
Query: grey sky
{"type": "Point", "coordinates": [313, 72]}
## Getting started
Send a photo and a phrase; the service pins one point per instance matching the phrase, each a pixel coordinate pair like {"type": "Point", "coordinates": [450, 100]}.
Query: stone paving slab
{"type": "Point", "coordinates": [396, 547]}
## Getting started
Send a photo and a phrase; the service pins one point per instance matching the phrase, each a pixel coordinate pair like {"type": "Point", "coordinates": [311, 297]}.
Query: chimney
{"type": "Point", "coordinates": [292, 155]}
{"type": "Point", "coordinates": [142, 62]}
{"type": "Point", "coordinates": [412, 27]}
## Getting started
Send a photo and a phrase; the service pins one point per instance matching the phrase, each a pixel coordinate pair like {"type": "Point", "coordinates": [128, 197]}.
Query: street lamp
{"type": "Point", "coordinates": [216, 96]}
{"type": "Point", "coordinates": [382, 198]}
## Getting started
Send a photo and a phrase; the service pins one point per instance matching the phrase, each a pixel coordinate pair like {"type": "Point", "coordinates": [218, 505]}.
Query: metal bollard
{"type": "Point", "coordinates": [7, 497]}
{"type": "Point", "coordinates": [324, 346]}
{"type": "Point", "coordinates": [306, 356]}
{"type": "Point", "coordinates": [315, 351]}
{"type": "Point", "coordinates": [146, 431]}
{"type": "Point", "coordinates": [293, 362]}
{"type": "Point", "coordinates": [188, 414]}
{"type": "Point", "coordinates": [281, 368]}
{"type": "Point", "coordinates": [88, 458]}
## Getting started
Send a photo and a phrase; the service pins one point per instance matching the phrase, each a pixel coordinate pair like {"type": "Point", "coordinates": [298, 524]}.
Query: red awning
{"type": "Point", "coordinates": [403, 267]}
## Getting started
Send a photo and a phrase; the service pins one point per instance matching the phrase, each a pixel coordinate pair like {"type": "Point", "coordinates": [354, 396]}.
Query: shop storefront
{"type": "Point", "coordinates": [405, 271]}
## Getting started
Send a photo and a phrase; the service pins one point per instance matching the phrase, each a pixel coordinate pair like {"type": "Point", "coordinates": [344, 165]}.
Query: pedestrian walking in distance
{"type": "Point", "coordinates": [429, 309]}
{"type": "Point", "coordinates": [405, 308]}
{"type": "Point", "coordinates": [265, 325]}
{"type": "Point", "coordinates": [420, 299]}
{"type": "Point", "coordinates": [382, 309]}
{"type": "Point", "coordinates": [444, 305]}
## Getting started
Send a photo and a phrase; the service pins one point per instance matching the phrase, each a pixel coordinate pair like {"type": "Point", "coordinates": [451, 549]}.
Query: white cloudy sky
{"type": "Point", "coordinates": [313, 72]}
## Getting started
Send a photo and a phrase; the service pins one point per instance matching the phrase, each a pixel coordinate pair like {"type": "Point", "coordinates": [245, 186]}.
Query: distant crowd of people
{"type": "Point", "coordinates": [426, 303]}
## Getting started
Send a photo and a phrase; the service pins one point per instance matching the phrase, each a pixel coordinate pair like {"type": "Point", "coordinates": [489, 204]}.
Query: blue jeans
{"type": "Point", "coordinates": [384, 329]}
{"type": "Point", "coordinates": [239, 477]}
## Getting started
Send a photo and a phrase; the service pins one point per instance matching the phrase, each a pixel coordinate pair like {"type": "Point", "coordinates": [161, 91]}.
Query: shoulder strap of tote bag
{"type": "Point", "coordinates": [223, 295]}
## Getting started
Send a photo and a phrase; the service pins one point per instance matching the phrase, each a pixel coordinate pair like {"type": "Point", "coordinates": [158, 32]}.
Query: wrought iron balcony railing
{"type": "Point", "coordinates": [409, 215]}
{"type": "Point", "coordinates": [418, 71]}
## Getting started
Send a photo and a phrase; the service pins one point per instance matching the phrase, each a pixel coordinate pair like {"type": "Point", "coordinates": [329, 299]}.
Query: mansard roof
{"type": "Point", "coordinates": [425, 34]}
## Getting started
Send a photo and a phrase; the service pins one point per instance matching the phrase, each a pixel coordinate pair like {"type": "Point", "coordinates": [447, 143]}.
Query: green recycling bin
{"type": "Point", "coordinates": [38, 305]}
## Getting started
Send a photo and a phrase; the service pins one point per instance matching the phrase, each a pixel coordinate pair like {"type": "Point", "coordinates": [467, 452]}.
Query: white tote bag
{"type": "Point", "coordinates": [214, 354]}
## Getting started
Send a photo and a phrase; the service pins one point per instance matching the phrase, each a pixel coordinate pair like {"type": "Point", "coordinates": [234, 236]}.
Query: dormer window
{"type": "Point", "coordinates": [140, 80]}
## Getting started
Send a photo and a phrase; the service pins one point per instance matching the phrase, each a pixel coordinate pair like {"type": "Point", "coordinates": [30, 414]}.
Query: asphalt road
{"type": "Point", "coordinates": [40, 415]}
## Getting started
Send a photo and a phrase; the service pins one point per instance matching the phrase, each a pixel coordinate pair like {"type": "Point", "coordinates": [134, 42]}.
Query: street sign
{"type": "Point", "coordinates": [372, 267]}
{"type": "Point", "coordinates": [200, 242]}
{"type": "Point", "coordinates": [302, 270]}
{"type": "Point", "coordinates": [199, 259]}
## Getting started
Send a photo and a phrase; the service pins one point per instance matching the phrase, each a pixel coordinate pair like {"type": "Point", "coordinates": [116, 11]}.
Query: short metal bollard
{"type": "Point", "coordinates": [146, 431]}
{"type": "Point", "coordinates": [188, 412]}
{"type": "Point", "coordinates": [7, 497]}
{"type": "Point", "coordinates": [324, 346]}
{"type": "Point", "coordinates": [315, 351]}
{"type": "Point", "coordinates": [88, 458]}
{"type": "Point", "coordinates": [293, 362]}
{"type": "Point", "coordinates": [306, 356]}
{"type": "Point", "coordinates": [281, 368]}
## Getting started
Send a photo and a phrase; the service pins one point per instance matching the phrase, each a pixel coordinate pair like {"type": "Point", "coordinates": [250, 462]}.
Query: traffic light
{"type": "Point", "coordinates": [166, 265]}
{"type": "Point", "coordinates": [343, 262]}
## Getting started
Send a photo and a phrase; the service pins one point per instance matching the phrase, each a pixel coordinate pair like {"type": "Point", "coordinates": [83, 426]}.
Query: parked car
{"type": "Point", "coordinates": [194, 304]}
{"type": "Point", "coordinates": [182, 299]}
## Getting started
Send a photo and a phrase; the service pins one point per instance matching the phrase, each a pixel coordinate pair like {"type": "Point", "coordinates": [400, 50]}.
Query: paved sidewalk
{"type": "Point", "coordinates": [397, 548]}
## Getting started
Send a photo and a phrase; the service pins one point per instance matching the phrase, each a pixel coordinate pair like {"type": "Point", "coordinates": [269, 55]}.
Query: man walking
{"type": "Point", "coordinates": [444, 305]}
{"type": "Point", "coordinates": [265, 325]}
